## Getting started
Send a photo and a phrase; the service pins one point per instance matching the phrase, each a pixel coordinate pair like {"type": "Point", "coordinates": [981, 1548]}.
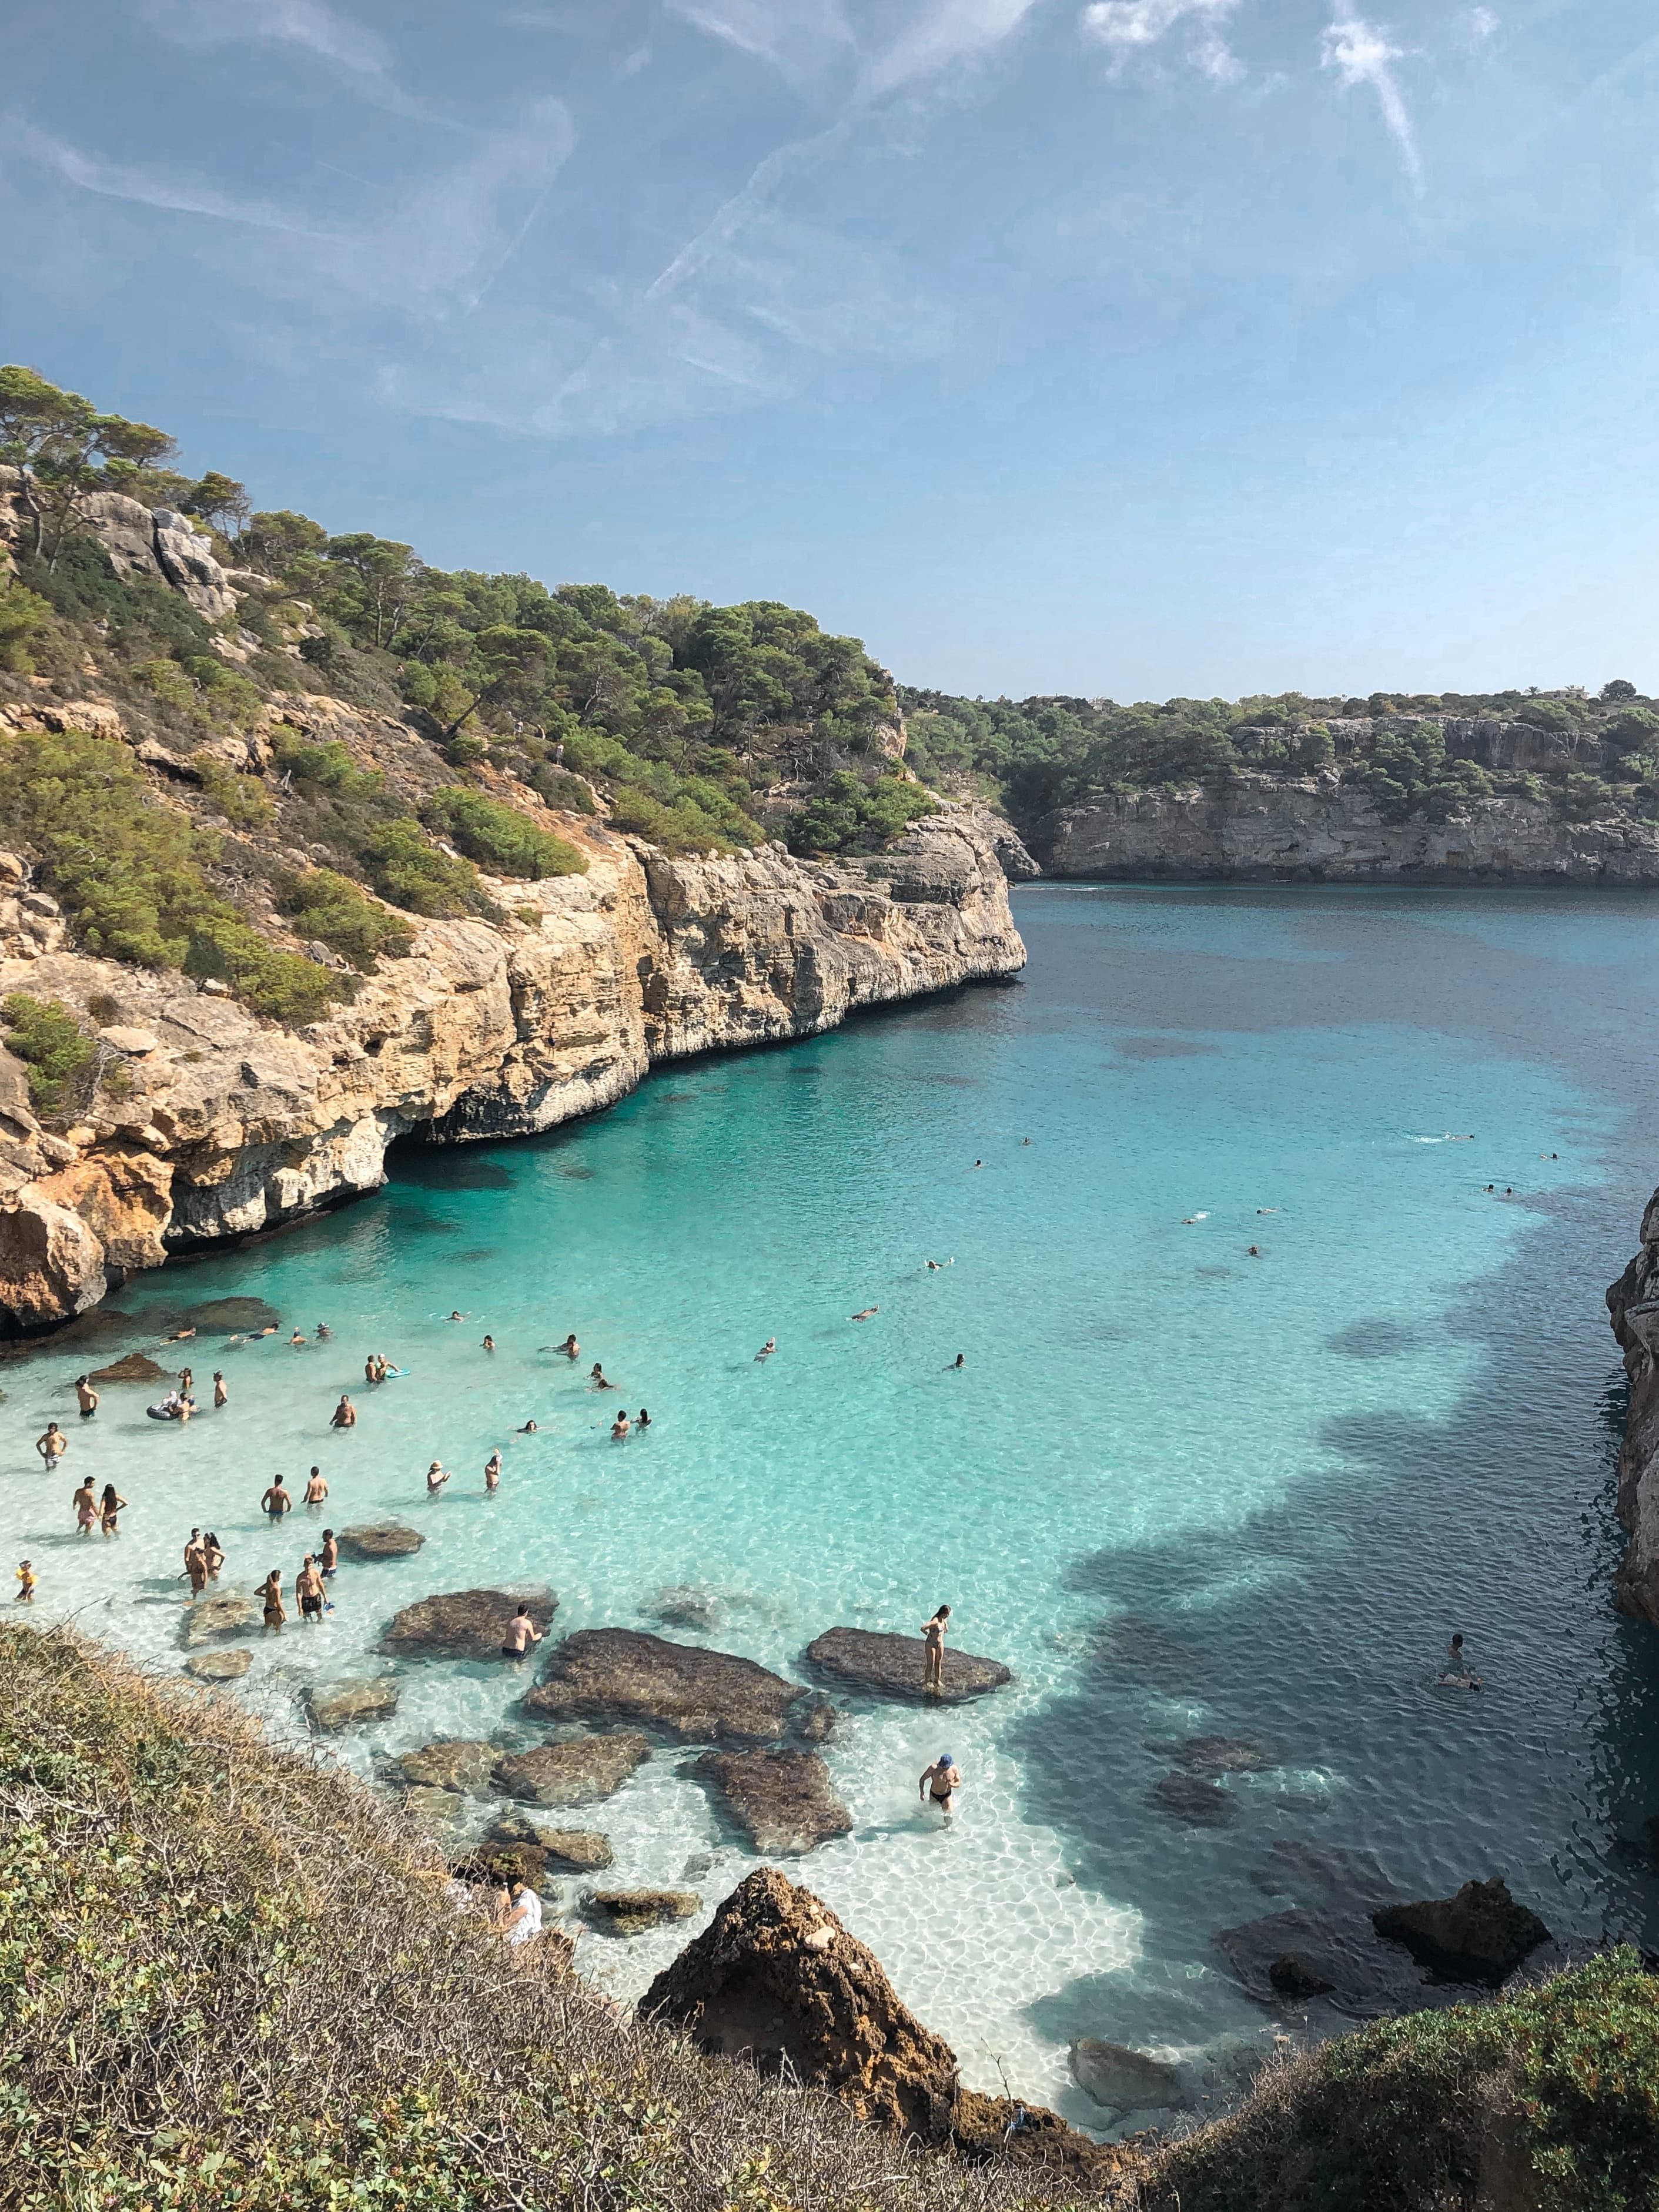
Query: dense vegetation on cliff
{"type": "Point", "coordinates": [1426, 755]}
{"type": "Point", "coordinates": [231, 1981]}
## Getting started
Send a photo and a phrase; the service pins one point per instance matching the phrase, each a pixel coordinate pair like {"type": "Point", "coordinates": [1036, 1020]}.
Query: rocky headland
{"type": "Point", "coordinates": [1633, 1304]}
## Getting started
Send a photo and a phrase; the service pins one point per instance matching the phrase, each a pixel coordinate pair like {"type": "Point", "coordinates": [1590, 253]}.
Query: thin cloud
{"type": "Point", "coordinates": [307, 27]}
{"type": "Point", "coordinates": [118, 180]}
{"type": "Point", "coordinates": [1361, 55]}
{"type": "Point", "coordinates": [1123, 26]}
{"type": "Point", "coordinates": [947, 33]}
{"type": "Point", "coordinates": [1479, 24]}
{"type": "Point", "coordinates": [802, 39]}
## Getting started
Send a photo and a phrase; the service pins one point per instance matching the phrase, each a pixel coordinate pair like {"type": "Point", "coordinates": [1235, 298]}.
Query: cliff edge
{"type": "Point", "coordinates": [1633, 1304]}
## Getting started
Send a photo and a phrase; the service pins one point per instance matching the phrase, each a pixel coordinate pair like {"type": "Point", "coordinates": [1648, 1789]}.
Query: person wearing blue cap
{"type": "Point", "coordinates": [941, 1781]}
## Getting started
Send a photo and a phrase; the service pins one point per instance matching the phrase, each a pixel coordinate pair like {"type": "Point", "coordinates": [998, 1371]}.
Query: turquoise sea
{"type": "Point", "coordinates": [1180, 1489]}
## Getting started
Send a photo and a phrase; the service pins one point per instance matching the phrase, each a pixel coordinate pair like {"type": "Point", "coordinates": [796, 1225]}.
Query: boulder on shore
{"type": "Point", "coordinates": [570, 1773]}
{"type": "Point", "coordinates": [1481, 1934]}
{"type": "Point", "coordinates": [680, 1690]}
{"type": "Point", "coordinates": [631, 1912]}
{"type": "Point", "coordinates": [566, 1850]}
{"type": "Point", "coordinates": [777, 1979]}
{"type": "Point", "coordinates": [452, 1763]}
{"type": "Point", "coordinates": [220, 1665]}
{"type": "Point", "coordinates": [379, 1539]}
{"type": "Point", "coordinates": [469, 1624]}
{"type": "Point", "coordinates": [782, 1800]}
{"type": "Point", "coordinates": [213, 1617]}
{"type": "Point", "coordinates": [335, 1705]}
{"type": "Point", "coordinates": [888, 1665]}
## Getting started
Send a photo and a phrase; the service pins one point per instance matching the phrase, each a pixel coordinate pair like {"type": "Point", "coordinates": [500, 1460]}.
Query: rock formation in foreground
{"type": "Point", "coordinates": [776, 1977]}
{"type": "Point", "coordinates": [680, 1690]}
{"type": "Point", "coordinates": [1633, 1303]}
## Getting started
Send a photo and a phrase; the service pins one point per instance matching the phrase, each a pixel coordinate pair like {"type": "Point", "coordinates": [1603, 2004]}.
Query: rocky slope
{"type": "Point", "coordinates": [1633, 1303]}
{"type": "Point", "coordinates": [1263, 827]}
{"type": "Point", "coordinates": [231, 1125]}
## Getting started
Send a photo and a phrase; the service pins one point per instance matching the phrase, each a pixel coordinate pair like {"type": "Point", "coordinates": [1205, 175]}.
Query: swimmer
{"type": "Point", "coordinates": [277, 1500]}
{"type": "Point", "coordinates": [323, 1332]}
{"type": "Point", "coordinates": [489, 1344]}
{"type": "Point", "coordinates": [52, 1445]}
{"type": "Point", "coordinates": [619, 1427]}
{"type": "Point", "coordinates": [961, 1360]}
{"type": "Point", "coordinates": [26, 1581]}
{"type": "Point", "coordinates": [458, 1317]}
{"type": "Point", "coordinates": [316, 1488]}
{"type": "Point", "coordinates": [1458, 1674]}
{"type": "Point", "coordinates": [328, 1559]}
{"type": "Point", "coordinates": [181, 1336]}
{"type": "Point", "coordinates": [1255, 1251]}
{"type": "Point", "coordinates": [979, 1163]}
{"type": "Point", "coordinates": [521, 1633]}
{"type": "Point", "coordinates": [1267, 1209]}
{"type": "Point", "coordinates": [1024, 1140]}
{"type": "Point", "coordinates": [644, 1421]}
{"type": "Point", "coordinates": [1187, 1220]}
{"type": "Point", "coordinates": [308, 1589]}
{"type": "Point", "coordinates": [932, 1650]}
{"type": "Point", "coordinates": [186, 1382]}
{"type": "Point", "coordinates": [767, 1348]}
{"type": "Point", "coordinates": [597, 1379]}
{"type": "Point", "coordinates": [530, 1429]}
{"type": "Point", "coordinates": [570, 1348]}
{"type": "Point", "coordinates": [109, 1505]}
{"type": "Point", "coordinates": [344, 1415]}
{"type": "Point", "coordinates": [941, 1781]}
{"type": "Point", "coordinates": [88, 1397]}
{"type": "Point", "coordinates": [1491, 1187]}
{"type": "Point", "coordinates": [866, 1313]}
{"type": "Point", "coordinates": [436, 1476]}
{"type": "Point", "coordinates": [270, 1597]}
{"type": "Point", "coordinates": [220, 1396]}
{"type": "Point", "coordinates": [254, 1334]}
{"type": "Point", "coordinates": [493, 1472]}
{"type": "Point", "coordinates": [297, 1341]}
{"type": "Point", "coordinates": [86, 1508]}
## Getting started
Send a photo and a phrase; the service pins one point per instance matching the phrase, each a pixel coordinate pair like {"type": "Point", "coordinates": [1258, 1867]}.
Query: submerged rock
{"type": "Point", "coordinates": [469, 1624]}
{"type": "Point", "coordinates": [574, 1851]}
{"type": "Point", "coordinates": [888, 1665]}
{"type": "Point", "coordinates": [631, 1912]}
{"type": "Point", "coordinates": [439, 1812]}
{"type": "Point", "coordinates": [681, 1690]}
{"type": "Point", "coordinates": [1363, 1977]}
{"type": "Point", "coordinates": [1293, 1975]}
{"type": "Point", "coordinates": [1481, 1934]}
{"type": "Point", "coordinates": [571, 1773]}
{"type": "Point", "coordinates": [684, 1606]}
{"type": "Point", "coordinates": [213, 1617]}
{"type": "Point", "coordinates": [134, 1367]}
{"type": "Point", "coordinates": [452, 1763]}
{"type": "Point", "coordinates": [220, 1665]}
{"type": "Point", "coordinates": [782, 1800]}
{"type": "Point", "coordinates": [227, 1317]}
{"type": "Point", "coordinates": [379, 1539]}
{"type": "Point", "coordinates": [776, 1979]}
{"type": "Point", "coordinates": [1208, 1756]}
{"type": "Point", "coordinates": [337, 1705]}
{"type": "Point", "coordinates": [1125, 2080]}
{"type": "Point", "coordinates": [1325, 1877]}
{"type": "Point", "coordinates": [1188, 1798]}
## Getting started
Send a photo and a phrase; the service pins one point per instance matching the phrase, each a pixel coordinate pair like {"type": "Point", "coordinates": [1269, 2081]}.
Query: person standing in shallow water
{"type": "Point", "coordinates": [941, 1781]}
{"type": "Point", "coordinates": [932, 1650]}
{"type": "Point", "coordinates": [270, 1598]}
{"type": "Point", "coordinates": [87, 1396]}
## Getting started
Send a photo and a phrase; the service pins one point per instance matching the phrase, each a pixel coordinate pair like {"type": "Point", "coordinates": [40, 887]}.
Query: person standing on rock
{"type": "Point", "coordinates": [88, 1396]}
{"type": "Point", "coordinates": [932, 1650]}
{"type": "Point", "coordinates": [521, 1633]}
{"type": "Point", "coordinates": [941, 1781]}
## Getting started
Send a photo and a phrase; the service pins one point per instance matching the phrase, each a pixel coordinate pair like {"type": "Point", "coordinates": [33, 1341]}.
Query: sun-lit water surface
{"type": "Point", "coordinates": [1178, 1488]}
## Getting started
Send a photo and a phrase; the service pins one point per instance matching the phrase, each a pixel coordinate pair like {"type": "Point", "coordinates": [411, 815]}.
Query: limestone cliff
{"type": "Point", "coordinates": [1264, 827]}
{"type": "Point", "coordinates": [1633, 1303]}
{"type": "Point", "coordinates": [230, 1125]}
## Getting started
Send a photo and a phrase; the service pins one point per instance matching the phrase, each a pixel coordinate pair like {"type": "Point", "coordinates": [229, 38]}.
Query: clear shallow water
{"type": "Point", "coordinates": [1179, 1489]}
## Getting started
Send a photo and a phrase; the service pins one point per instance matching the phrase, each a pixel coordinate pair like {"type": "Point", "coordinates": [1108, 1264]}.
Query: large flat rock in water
{"type": "Point", "coordinates": [452, 1763]}
{"type": "Point", "coordinates": [678, 1689]}
{"type": "Point", "coordinates": [888, 1665]}
{"type": "Point", "coordinates": [567, 1851]}
{"type": "Point", "coordinates": [782, 1800]}
{"type": "Point", "coordinates": [335, 1705]}
{"type": "Point", "coordinates": [631, 1912]}
{"type": "Point", "coordinates": [570, 1773]}
{"type": "Point", "coordinates": [228, 1665]}
{"type": "Point", "coordinates": [379, 1539]}
{"type": "Point", "coordinates": [469, 1624]}
{"type": "Point", "coordinates": [211, 1617]}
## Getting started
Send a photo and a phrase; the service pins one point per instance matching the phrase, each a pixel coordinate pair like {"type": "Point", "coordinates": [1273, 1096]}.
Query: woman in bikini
{"type": "Point", "coordinates": [932, 1650]}
{"type": "Point", "coordinates": [270, 1597]}
{"type": "Point", "coordinates": [109, 1505]}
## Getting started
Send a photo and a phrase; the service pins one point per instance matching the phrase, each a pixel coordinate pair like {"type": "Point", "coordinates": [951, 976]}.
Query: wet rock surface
{"type": "Point", "coordinates": [211, 1618]}
{"type": "Point", "coordinates": [783, 1801]}
{"type": "Point", "coordinates": [220, 1665]}
{"type": "Point", "coordinates": [631, 1912]}
{"type": "Point", "coordinates": [469, 1624]}
{"type": "Point", "coordinates": [678, 1690]}
{"type": "Point", "coordinates": [573, 1773]}
{"type": "Point", "coordinates": [1481, 1936]}
{"type": "Point", "coordinates": [132, 1367]}
{"type": "Point", "coordinates": [439, 1812]}
{"type": "Point", "coordinates": [332, 1706]}
{"type": "Point", "coordinates": [379, 1539]}
{"type": "Point", "coordinates": [883, 1665]}
{"type": "Point", "coordinates": [572, 1851]}
{"type": "Point", "coordinates": [452, 1763]}
{"type": "Point", "coordinates": [1364, 1978]}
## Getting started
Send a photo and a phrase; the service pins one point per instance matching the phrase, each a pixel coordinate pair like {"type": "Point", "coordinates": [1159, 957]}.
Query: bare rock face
{"type": "Point", "coordinates": [571, 1851]}
{"type": "Point", "coordinates": [1633, 1304]}
{"type": "Point", "coordinates": [351, 1705]}
{"type": "Point", "coordinates": [887, 1666]}
{"type": "Point", "coordinates": [1481, 1934]}
{"type": "Point", "coordinates": [211, 1618]}
{"type": "Point", "coordinates": [469, 1624]}
{"type": "Point", "coordinates": [631, 1912]}
{"type": "Point", "coordinates": [680, 1690]}
{"type": "Point", "coordinates": [379, 1539]}
{"type": "Point", "coordinates": [782, 1800]}
{"type": "Point", "coordinates": [573, 1773]}
{"type": "Point", "coordinates": [776, 1978]}
{"type": "Point", "coordinates": [451, 1764]}
{"type": "Point", "coordinates": [220, 1665]}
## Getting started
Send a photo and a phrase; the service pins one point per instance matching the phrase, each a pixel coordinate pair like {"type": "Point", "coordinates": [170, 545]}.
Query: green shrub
{"type": "Point", "coordinates": [49, 1039]}
{"type": "Point", "coordinates": [23, 615]}
{"type": "Point", "coordinates": [332, 910]}
{"type": "Point", "coordinates": [242, 799]}
{"type": "Point", "coordinates": [503, 840]}
{"type": "Point", "coordinates": [405, 866]}
{"type": "Point", "coordinates": [166, 681]}
{"type": "Point", "coordinates": [1582, 798]}
{"type": "Point", "coordinates": [850, 815]}
{"type": "Point", "coordinates": [284, 985]}
{"type": "Point", "coordinates": [570, 794]}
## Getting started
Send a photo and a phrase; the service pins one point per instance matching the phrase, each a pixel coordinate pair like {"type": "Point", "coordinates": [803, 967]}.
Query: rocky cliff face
{"type": "Point", "coordinates": [1268, 829]}
{"type": "Point", "coordinates": [230, 1125]}
{"type": "Point", "coordinates": [1633, 1303]}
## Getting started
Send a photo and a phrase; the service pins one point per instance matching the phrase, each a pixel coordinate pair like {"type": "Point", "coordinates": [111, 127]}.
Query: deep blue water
{"type": "Point", "coordinates": [1179, 1488]}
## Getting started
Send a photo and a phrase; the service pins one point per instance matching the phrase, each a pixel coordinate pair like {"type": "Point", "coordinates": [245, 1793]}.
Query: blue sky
{"type": "Point", "coordinates": [1136, 347]}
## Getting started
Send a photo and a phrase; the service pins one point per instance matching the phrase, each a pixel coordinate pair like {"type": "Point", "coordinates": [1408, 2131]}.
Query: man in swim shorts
{"type": "Point", "coordinates": [344, 1415]}
{"type": "Point", "coordinates": [277, 1500]}
{"type": "Point", "coordinates": [52, 1445]}
{"type": "Point", "coordinates": [88, 1396]}
{"type": "Point", "coordinates": [521, 1633]}
{"type": "Point", "coordinates": [308, 1589]}
{"type": "Point", "coordinates": [941, 1781]}
{"type": "Point", "coordinates": [329, 1558]}
{"type": "Point", "coordinates": [316, 1488]}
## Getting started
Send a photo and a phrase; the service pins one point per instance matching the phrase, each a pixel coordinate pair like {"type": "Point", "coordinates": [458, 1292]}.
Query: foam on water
{"type": "Point", "coordinates": [1181, 1490]}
